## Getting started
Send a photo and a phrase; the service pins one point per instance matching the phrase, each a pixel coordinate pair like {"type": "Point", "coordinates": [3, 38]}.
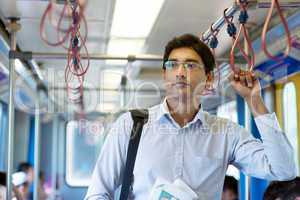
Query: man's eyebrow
{"type": "Point", "coordinates": [186, 60]}
{"type": "Point", "coordinates": [172, 59]}
{"type": "Point", "coordinates": [192, 60]}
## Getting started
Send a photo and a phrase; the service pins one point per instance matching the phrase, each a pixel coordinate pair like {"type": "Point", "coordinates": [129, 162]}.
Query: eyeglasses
{"type": "Point", "coordinates": [189, 65]}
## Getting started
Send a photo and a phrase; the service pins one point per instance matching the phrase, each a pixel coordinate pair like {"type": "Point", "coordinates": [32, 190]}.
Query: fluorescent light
{"type": "Point", "coordinates": [132, 23]}
{"type": "Point", "coordinates": [124, 47]}
{"type": "Point", "coordinates": [135, 18]}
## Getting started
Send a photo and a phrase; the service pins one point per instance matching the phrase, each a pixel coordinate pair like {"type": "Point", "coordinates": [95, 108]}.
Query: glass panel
{"type": "Point", "coordinates": [83, 143]}
{"type": "Point", "coordinates": [290, 118]}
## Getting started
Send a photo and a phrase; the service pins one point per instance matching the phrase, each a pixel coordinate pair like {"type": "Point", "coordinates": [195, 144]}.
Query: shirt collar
{"type": "Point", "coordinates": [163, 110]}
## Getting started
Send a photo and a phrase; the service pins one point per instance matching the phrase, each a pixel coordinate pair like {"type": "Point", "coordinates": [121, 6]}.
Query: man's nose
{"type": "Point", "coordinates": [181, 71]}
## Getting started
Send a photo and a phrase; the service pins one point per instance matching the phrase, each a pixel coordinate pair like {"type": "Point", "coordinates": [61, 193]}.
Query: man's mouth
{"type": "Point", "coordinates": [181, 84]}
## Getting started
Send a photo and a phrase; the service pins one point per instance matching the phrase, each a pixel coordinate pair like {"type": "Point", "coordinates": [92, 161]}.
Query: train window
{"type": "Point", "coordinates": [290, 118]}
{"type": "Point", "coordinates": [229, 111]}
{"type": "Point", "coordinates": [3, 138]}
{"type": "Point", "coordinates": [83, 142]}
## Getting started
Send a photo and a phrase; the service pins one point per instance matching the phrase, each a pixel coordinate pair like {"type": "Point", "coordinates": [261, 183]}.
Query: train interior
{"type": "Point", "coordinates": [56, 119]}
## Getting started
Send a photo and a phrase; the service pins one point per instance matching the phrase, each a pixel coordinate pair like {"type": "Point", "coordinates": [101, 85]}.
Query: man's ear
{"type": "Point", "coordinates": [209, 80]}
{"type": "Point", "coordinates": [210, 77]}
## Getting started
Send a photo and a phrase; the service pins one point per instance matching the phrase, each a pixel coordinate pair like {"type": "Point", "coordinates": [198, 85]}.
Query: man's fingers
{"type": "Point", "coordinates": [254, 78]}
{"type": "Point", "coordinates": [249, 80]}
{"type": "Point", "coordinates": [243, 78]}
{"type": "Point", "coordinates": [231, 77]}
{"type": "Point", "coordinates": [236, 77]}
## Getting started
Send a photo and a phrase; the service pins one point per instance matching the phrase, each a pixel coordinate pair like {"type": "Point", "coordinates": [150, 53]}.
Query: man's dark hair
{"type": "Point", "coordinates": [194, 42]}
{"type": "Point", "coordinates": [24, 167]}
{"type": "Point", "coordinates": [230, 183]}
{"type": "Point", "coordinates": [283, 190]}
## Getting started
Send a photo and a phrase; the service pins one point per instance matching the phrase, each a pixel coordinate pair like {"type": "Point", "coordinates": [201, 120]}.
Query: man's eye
{"type": "Point", "coordinates": [173, 64]}
{"type": "Point", "coordinates": [170, 64]}
{"type": "Point", "coordinates": [190, 65]}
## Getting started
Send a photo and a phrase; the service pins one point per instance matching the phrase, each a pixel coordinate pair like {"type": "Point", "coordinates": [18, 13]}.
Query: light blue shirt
{"type": "Point", "coordinates": [198, 153]}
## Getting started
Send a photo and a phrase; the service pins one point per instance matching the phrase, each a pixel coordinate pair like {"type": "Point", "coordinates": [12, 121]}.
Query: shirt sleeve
{"type": "Point", "coordinates": [107, 174]}
{"type": "Point", "coordinates": [271, 157]}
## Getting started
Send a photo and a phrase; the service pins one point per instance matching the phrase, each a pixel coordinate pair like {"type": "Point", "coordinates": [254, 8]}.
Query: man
{"type": "Point", "coordinates": [27, 168]}
{"type": "Point", "coordinates": [230, 188]}
{"type": "Point", "coordinates": [182, 142]}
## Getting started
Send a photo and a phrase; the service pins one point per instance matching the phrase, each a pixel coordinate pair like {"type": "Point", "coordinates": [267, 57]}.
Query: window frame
{"type": "Point", "coordinates": [68, 177]}
{"type": "Point", "coordinates": [295, 148]}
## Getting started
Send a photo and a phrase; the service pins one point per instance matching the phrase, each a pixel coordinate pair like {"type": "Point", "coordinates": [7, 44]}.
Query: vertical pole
{"type": "Point", "coordinates": [247, 126]}
{"type": "Point", "coordinates": [241, 111]}
{"type": "Point", "coordinates": [13, 28]}
{"type": "Point", "coordinates": [36, 147]}
{"type": "Point", "coordinates": [54, 156]}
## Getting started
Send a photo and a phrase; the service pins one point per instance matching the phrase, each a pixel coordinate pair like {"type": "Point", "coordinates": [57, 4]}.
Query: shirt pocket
{"type": "Point", "coordinates": [205, 173]}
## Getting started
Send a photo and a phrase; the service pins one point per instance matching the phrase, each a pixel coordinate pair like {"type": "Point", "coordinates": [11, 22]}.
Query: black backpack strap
{"type": "Point", "coordinates": [140, 117]}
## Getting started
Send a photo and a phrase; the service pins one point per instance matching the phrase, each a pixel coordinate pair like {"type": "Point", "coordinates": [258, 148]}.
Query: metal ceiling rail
{"type": "Point", "coordinates": [145, 57]}
{"type": "Point", "coordinates": [63, 56]}
{"type": "Point", "coordinates": [220, 22]}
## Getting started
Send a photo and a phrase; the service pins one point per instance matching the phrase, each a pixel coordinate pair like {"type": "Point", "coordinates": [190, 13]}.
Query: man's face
{"type": "Point", "coordinates": [184, 82]}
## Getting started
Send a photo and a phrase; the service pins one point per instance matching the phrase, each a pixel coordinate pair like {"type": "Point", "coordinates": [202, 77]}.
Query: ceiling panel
{"type": "Point", "coordinates": [29, 37]}
{"type": "Point", "coordinates": [176, 17]}
{"type": "Point", "coordinates": [96, 9]}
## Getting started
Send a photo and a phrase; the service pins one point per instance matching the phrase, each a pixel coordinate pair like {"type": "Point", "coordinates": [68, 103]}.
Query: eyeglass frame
{"type": "Point", "coordinates": [198, 65]}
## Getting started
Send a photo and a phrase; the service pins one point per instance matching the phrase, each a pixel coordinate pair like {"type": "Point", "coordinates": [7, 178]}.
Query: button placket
{"type": "Point", "coordinates": [179, 155]}
{"type": "Point", "coordinates": [182, 135]}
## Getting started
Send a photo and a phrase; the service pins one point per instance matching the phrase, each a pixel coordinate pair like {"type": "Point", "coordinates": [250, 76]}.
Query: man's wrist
{"type": "Point", "coordinates": [256, 105]}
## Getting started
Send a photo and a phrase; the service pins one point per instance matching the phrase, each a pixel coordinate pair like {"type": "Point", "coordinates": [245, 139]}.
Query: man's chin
{"type": "Point", "coordinates": [182, 96]}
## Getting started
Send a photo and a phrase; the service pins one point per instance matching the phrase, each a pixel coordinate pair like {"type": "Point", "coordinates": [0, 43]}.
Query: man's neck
{"type": "Point", "coordinates": [182, 112]}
